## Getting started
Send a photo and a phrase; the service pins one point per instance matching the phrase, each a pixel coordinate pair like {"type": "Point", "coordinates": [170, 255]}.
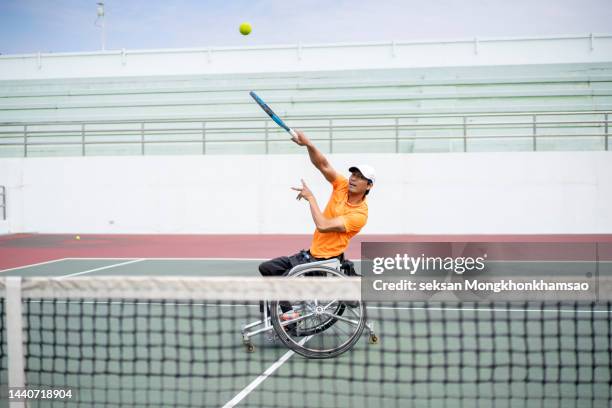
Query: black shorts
{"type": "Point", "coordinates": [283, 264]}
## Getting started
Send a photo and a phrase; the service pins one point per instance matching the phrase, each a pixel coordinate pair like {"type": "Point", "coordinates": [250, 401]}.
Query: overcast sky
{"type": "Point", "coordinates": [28, 26]}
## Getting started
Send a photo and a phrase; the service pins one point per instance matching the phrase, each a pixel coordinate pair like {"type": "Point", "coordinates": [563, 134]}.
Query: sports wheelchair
{"type": "Point", "coordinates": [313, 329]}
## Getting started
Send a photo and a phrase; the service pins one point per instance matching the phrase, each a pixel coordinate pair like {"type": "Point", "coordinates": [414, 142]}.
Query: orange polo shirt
{"type": "Point", "coordinates": [330, 244]}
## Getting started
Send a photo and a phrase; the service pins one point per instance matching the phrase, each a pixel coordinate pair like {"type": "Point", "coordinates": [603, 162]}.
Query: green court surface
{"type": "Point", "coordinates": [139, 266]}
{"type": "Point", "coordinates": [190, 353]}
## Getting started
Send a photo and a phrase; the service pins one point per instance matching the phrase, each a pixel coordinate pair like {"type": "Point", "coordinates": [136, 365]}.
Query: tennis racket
{"type": "Point", "coordinates": [271, 113]}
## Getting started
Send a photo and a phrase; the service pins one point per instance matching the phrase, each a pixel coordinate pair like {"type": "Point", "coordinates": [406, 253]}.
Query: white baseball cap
{"type": "Point", "coordinates": [367, 171]}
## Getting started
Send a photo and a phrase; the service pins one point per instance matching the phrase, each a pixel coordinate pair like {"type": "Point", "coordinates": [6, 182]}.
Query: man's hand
{"type": "Point", "coordinates": [301, 138]}
{"type": "Point", "coordinates": [305, 192]}
{"type": "Point", "coordinates": [322, 223]}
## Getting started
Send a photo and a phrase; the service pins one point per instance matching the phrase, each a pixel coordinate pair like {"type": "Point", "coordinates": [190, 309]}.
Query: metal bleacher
{"type": "Point", "coordinates": [444, 109]}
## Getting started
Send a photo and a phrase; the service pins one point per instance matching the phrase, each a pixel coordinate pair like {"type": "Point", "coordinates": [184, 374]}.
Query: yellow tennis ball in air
{"type": "Point", "coordinates": [77, 237]}
{"type": "Point", "coordinates": [245, 28]}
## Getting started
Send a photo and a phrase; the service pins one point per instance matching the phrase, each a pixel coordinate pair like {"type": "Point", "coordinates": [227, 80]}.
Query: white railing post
{"type": "Point", "coordinates": [465, 134]}
{"type": "Point", "coordinates": [396, 135]}
{"type": "Point", "coordinates": [25, 140]}
{"type": "Point", "coordinates": [203, 137]}
{"type": "Point", "coordinates": [266, 136]}
{"type": "Point", "coordinates": [83, 139]}
{"type": "Point", "coordinates": [606, 127]}
{"type": "Point", "coordinates": [142, 138]}
{"type": "Point", "coordinates": [535, 146]}
{"type": "Point", "coordinates": [331, 136]}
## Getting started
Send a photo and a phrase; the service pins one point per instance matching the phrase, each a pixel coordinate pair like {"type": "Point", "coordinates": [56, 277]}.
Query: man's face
{"type": "Point", "coordinates": [358, 184]}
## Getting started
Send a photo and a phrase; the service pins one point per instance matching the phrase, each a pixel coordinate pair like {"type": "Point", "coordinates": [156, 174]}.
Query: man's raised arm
{"type": "Point", "coordinates": [316, 157]}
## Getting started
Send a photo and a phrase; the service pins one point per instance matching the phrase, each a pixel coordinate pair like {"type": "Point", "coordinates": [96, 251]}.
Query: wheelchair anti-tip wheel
{"type": "Point", "coordinates": [318, 329]}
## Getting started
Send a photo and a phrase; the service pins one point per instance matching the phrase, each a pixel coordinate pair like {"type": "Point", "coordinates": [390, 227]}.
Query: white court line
{"type": "Point", "coordinates": [36, 264]}
{"type": "Point", "coordinates": [183, 259]}
{"type": "Point", "coordinates": [177, 259]}
{"type": "Point", "coordinates": [247, 390]}
{"type": "Point", "coordinates": [100, 269]}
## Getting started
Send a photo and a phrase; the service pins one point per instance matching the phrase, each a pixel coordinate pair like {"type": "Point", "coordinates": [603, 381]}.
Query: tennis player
{"type": "Point", "coordinates": [344, 216]}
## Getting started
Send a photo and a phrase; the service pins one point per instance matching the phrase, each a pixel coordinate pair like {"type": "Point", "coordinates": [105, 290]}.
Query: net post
{"type": "Point", "coordinates": [14, 332]}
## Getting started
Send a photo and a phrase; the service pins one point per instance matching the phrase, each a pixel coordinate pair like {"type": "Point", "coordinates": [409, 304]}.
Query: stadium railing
{"type": "Point", "coordinates": [381, 133]}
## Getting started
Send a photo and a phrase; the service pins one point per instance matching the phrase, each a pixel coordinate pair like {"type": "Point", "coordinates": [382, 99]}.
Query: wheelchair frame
{"type": "Point", "coordinates": [266, 323]}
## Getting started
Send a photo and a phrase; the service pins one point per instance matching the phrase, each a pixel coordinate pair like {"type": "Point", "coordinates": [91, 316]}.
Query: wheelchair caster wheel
{"type": "Point", "coordinates": [249, 345]}
{"type": "Point", "coordinates": [373, 339]}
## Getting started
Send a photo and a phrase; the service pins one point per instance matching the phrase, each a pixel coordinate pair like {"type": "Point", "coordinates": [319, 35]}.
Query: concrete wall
{"type": "Point", "coordinates": [497, 193]}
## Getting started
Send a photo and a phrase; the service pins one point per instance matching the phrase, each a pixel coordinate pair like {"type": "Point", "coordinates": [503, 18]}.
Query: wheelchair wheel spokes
{"type": "Point", "coordinates": [337, 339]}
{"type": "Point", "coordinates": [296, 319]}
{"type": "Point", "coordinates": [343, 319]}
{"type": "Point", "coordinates": [327, 306]}
{"type": "Point", "coordinates": [307, 321]}
{"type": "Point", "coordinates": [336, 336]}
{"type": "Point", "coordinates": [329, 328]}
{"type": "Point", "coordinates": [353, 312]}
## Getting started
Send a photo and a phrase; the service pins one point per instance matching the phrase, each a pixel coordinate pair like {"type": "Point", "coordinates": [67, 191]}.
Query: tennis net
{"type": "Point", "coordinates": [147, 342]}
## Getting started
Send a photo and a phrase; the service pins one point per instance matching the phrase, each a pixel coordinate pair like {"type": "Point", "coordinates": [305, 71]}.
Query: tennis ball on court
{"type": "Point", "coordinates": [77, 237]}
{"type": "Point", "coordinates": [245, 28]}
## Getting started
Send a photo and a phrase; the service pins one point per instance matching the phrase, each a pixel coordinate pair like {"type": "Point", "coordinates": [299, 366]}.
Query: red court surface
{"type": "Point", "coordinates": [26, 249]}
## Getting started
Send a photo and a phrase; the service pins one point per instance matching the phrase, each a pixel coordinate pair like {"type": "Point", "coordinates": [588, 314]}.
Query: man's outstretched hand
{"type": "Point", "coordinates": [305, 192]}
{"type": "Point", "coordinates": [301, 138]}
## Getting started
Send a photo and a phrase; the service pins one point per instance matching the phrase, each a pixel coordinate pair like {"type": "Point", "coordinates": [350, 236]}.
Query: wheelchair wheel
{"type": "Point", "coordinates": [318, 329]}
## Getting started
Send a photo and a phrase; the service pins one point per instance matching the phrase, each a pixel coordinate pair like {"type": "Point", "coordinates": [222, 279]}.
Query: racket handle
{"type": "Point", "coordinates": [292, 133]}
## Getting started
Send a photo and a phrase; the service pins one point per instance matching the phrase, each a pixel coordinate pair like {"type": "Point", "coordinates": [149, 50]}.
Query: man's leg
{"type": "Point", "coordinates": [275, 267]}
{"type": "Point", "coordinates": [279, 267]}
